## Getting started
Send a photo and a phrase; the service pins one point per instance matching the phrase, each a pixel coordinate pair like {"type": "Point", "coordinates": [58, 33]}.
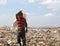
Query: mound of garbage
{"type": "Point", "coordinates": [36, 37]}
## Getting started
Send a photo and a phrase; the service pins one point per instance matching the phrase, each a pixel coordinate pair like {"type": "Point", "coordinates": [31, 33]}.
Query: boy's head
{"type": "Point", "coordinates": [20, 14]}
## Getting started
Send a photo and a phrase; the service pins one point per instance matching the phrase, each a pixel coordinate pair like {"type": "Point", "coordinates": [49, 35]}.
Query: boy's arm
{"type": "Point", "coordinates": [26, 27]}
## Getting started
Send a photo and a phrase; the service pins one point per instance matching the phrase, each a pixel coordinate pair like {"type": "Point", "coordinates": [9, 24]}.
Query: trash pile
{"type": "Point", "coordinates": [37, 37]}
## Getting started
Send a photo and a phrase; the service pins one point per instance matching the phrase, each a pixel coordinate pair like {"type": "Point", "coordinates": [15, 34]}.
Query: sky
{"type": "Point", "coordinates": [39, 13]}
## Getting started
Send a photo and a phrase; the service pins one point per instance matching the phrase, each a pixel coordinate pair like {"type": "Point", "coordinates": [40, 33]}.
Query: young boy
{"type": "Point", "coordinates": [22, 28]}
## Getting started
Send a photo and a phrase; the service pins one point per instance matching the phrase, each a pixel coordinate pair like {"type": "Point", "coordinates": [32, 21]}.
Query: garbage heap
{"type": "Point", "coordinates": [37, 37]}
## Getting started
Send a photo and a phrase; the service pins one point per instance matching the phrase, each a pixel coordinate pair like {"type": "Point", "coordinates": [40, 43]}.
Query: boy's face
{"type": "Point", "coordinates": [20, 16]}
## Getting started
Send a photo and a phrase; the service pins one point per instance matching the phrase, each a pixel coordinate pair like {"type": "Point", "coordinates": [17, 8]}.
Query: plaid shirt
{"type": "Point", "coordinates": [21, 23]}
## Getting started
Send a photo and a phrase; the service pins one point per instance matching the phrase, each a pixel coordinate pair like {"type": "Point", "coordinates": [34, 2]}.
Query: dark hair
{"type": "Point", "coordinates": [19, 13]}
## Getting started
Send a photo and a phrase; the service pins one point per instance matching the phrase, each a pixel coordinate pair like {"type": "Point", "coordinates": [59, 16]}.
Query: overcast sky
{"type": "Point", "coordinates": [40, 13]}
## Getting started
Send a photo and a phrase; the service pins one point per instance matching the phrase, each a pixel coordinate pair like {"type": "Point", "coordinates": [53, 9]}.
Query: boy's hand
{"type": "Point", "coordinates": [26, 30]}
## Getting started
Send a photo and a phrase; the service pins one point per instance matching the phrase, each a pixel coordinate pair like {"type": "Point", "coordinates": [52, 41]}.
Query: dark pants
{"type": "Point", "coordinates": [21, 35]}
